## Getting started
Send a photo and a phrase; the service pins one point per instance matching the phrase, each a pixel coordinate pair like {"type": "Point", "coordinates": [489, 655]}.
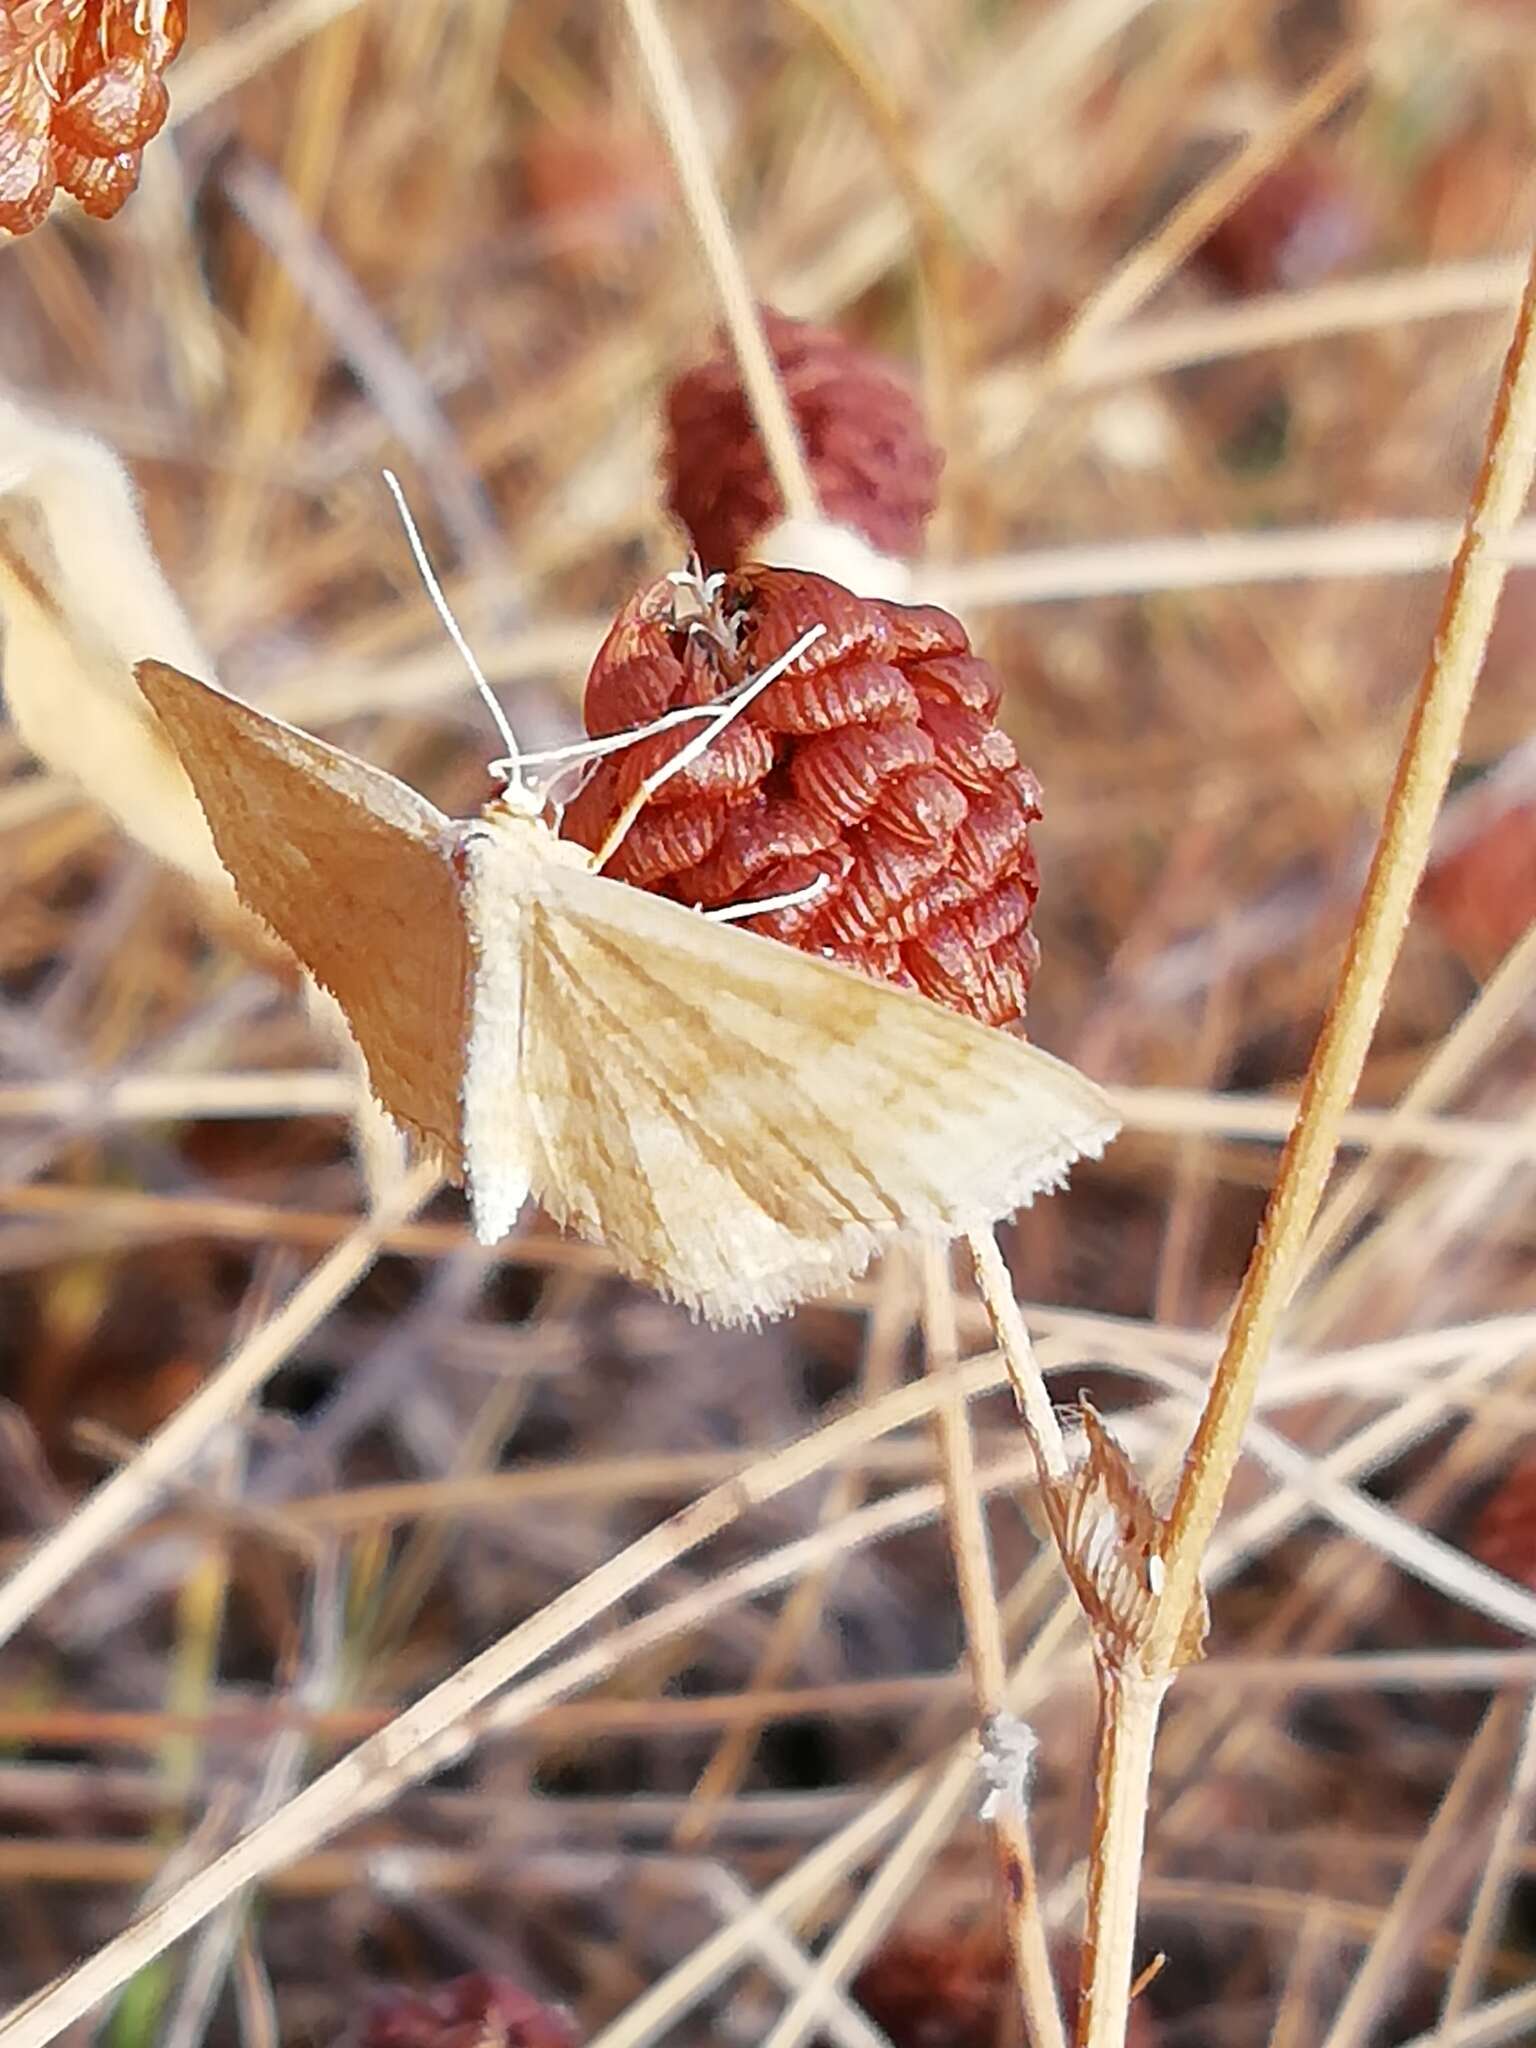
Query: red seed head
{"type": "Point", "coordinates": [1483, 892]}
{"type": "Point", "coordinates": [938, 1990]}
{"type": "Point", "coordinates": [479, 2011]}
{"type": "Point", "coordinates": [1298, 225]}
{"type": "Point", "coordinates": [870, 458]}
{"type": "Point", "coordinates": [953, 1988]}
{"type": "Point", "coordinates": [875, 762]}
{"type": "Point", "coordinates": [1504, 1534]}
{"type": "Point", "coordinates": [81, 92]}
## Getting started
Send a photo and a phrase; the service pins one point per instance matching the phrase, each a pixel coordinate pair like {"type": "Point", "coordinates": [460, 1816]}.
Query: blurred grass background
{"type": "Point", "coordinates": [1157, 284]}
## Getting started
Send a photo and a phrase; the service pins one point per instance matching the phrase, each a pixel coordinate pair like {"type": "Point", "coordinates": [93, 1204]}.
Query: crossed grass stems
{"type": "Point", "coordinates": [936, 1796]}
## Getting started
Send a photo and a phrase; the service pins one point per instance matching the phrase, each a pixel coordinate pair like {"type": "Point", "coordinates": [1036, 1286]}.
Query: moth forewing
{"type": "Point", "coordinates": [743, 1124]}
{"type": "Point", "coordinates": [354, 871]}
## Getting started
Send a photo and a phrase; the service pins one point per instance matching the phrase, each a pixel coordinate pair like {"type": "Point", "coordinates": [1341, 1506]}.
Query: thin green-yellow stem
{"type": "Point", "coordinates": [1424, 768]}
{"type": "Point", "coordinates": [1428, 755]}
{"type": "Point", "coordinates": [1129, 1705]}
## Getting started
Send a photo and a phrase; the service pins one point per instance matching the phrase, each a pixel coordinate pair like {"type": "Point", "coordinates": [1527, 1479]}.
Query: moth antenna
{"type": "Point", "coordinates": [706, 589]}
{"type": "Point", "coordinates": [685, 756]}
{"type": "Point", "coordinates": [616, 742]}
{"type": "Point", "coordinates": [511, 764]}
{"type": "Point", "coordinates": [790, 900]}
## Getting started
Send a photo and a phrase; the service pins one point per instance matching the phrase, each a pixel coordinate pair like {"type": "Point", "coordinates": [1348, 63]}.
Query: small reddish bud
{"type": "Point", "coordinates": [1474, 194]}
{"type": "Point", "coordinates": [1483, 893]}
{"type": "Point", "coordinates": [952, 1988]}
{"type": "Point", "coordinates": [480, 2011]}
{"type": "Point", "coordinates": [81, 93]}
{"type": "Point", "coordinates": [1504, 1534]}
{"type": "Point", "coordinates": [1299, 224]}
{"type": "Point", "coordinates": [598, 191]}
{"type": "Point", "coordinates": [868, 451]}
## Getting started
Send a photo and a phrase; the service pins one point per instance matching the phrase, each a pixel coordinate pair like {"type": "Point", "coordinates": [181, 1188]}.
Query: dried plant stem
{"type": "Point", "coordinates": [299, 1091]}
{"type": "Point", "coordinates": [1340, 551]}
{"type": "Point", "coordinates": [934, 1794]}
{"type": "Point", "coordinates": [1392, 298]}
{"type": "Point", "coordinates": [446, 1721]}
{"type": "Point", "coordinates": [167, 1455]}
{"type": "Point", "coordinates": [1028, 1382]}
{"type": "Point", "coordinates": [219, 67]}
{"type": "Point", "coordinates": [1441, 1863]}
{"type": "Point", "coordinates": [1129, 1705]}
{"type": "Point", "coordinates": [283, 363]}
{"type": "Point", "coordinates": [1129, 287]}
{"type": "Point", "coordinates": [759, 376]}
{"type": "Point", "coordinates": [889, 1324]}
{"type": "Point", "coordinates": [1019, 1881]}
{"type": "Point", "coordinates": [1155, 259]}
{"type": "Point", "coordinates": [1413, 1124]}
{"type": "Point", "coordinates": [1497, 1880]}
{"type": "Point", "coordinates": [1479, 1028]}
{"type": "Point", "coordinates": [940, 276]}
{"type": "Point", "coordinates": [1424, 767]}
{"type": "Point", "coordinates": [939, 1793]}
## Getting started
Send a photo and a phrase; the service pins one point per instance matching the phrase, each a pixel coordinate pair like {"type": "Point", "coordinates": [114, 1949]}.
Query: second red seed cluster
{"type": "Point", "coordinates": [877, 767]}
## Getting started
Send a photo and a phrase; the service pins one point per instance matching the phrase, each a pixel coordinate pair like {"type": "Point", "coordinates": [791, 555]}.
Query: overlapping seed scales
{"type": "Point", "coordinates": [850, 625]}
{"type": "Point", "coordinates": [664, 843]}
{"type": "Point", "coordinates": [855, 693]}
{"type": "Point", "coordinates": [81, 93]}
{"type": "Point", "coordinates": [968, 746]}
{"type": "Point", "coordinates": [844, 770]}
{"type": "Point", "coordinates": [731, 766]}
{"type": "Point", "coordinates": [873, 766]}
{"type": "Point", "coordinates": [757, 836]}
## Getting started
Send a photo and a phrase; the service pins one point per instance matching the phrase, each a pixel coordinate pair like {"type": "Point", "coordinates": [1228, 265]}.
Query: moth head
{"type": "Point", "coordinates": [518, 797]}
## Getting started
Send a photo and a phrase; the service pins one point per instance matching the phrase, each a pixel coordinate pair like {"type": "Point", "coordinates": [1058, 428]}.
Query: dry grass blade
{"type": "Point", "coordinates": [1019, 1884]}
{"type": "Point", "coordinates": [674, 108]}
{"type": "Point", "coordinates": [1428, 756]}
{"type": "Point", "coordinates": [120, 1501]}
{"type": "Point", "coordinates": [1200, 548]}
{"type": "Point", "coordinates": [439, 1728]}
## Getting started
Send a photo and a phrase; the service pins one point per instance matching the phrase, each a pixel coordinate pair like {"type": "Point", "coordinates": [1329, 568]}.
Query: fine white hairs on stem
{"type": "Point", "coordinates": [511, 765]}
{"type": "Point", "coordinates": [1008, 1748]}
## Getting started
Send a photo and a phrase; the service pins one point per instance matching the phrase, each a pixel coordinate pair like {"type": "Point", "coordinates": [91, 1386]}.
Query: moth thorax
{"type": "Point", "coordinates": [516, 819]}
